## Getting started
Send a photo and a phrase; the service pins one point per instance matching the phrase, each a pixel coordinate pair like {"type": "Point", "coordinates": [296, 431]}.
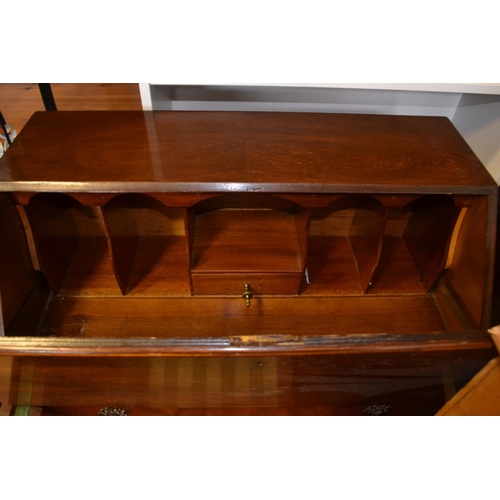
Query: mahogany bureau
{"type": "Point", "coordinates": [260, 263]}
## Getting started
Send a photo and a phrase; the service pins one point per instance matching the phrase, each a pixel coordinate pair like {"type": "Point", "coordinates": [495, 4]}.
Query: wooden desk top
{"type": "Point", "coordinates": [169, 151]}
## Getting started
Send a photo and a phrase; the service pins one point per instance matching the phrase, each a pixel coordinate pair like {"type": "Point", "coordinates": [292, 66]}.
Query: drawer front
{"type": "Point", "coordinates": [234, 284]}
{"type": "Point", "coordinates": [359, 384]}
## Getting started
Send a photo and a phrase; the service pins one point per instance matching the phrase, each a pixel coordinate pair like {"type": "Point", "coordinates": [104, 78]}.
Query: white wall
{"type": "Point", "coordinates": [477, 118]}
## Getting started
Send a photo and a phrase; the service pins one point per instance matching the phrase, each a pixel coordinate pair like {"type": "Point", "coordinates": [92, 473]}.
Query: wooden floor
{"type": "Point", "coordinates": [18, 101]}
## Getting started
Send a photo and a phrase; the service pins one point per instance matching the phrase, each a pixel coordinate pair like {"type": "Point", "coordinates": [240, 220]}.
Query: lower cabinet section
{"type": "Point", "coordinates": [408, 383]}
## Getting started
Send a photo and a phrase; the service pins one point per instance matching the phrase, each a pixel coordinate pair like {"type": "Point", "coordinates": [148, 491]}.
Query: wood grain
{"type": "Point", "coordinates": [410, 383]}
{"type": "Point", "coordinates": [90, 272]}
{"type": "Point", "coordinates": [18, 277]}
{"type": "Point", "coordinates": [246, 240]}
{"type": "Point", "coordinates": [454, 237]}
{"type": "Point", "coordinates": [223, 317]}
{"type": "Point", "coordinates": [60, 225]}
{"type": "Point", "coordinates": [396, 271]}
{"type": "Point", "coordinates": [331, 267]}
{"type": "Point", "coordinates": [467, 276]}
{"type": "Point", "coordinates": [269, 152]}
{"type": "Point", "coordinates": [233, 284]}
{"type": "Point", "coordinates": [133, 213]}
{"type": "Point", "coordinates": [428, 235]}
{"type": "Point", "coordinates": [366, 236]}
{"type": "Point", "coordinates": [480, 397]}
{"type": "Point", "coordinates": [147, 245]}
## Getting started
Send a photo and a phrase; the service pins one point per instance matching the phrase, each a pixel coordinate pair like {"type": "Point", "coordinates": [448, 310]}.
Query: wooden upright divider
{"type": "Point", "coordinates": [18, 278]}
{"type": "Point", "coordinates": [123, 239]}
{"type": "Point", "coordinates": [148, 248]}
{"type": "Point", "coordinates": [366, 236]}
{"type": "Point", "coordinates": [428, 235]}
{"type": "Point", "coordinates": [330, 260]}
{"type": "Point", "coordinates": [472, 263]}
{"type": "Point", "coordinates": [56, 235]}
{"type": "Point", "coordinates": [71, 243]}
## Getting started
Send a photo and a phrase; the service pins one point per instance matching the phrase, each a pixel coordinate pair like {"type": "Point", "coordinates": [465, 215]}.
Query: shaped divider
{"type": "Point", "coordinates": [148, 246]}
{"type": "Point", "coordinates": [135, 245]}
{"type": "Point", "coordinates": [366, 236]}
{"type": "Point", "coordinates": [415, 246]}
{"type": "Point", "coordinates": [18, 278]}
{"type": "Point", "coordinates": [428, 235]}
{"type": "Point", "coordinates": [71, 245]}
{"type": "Point", "coordinates": [345, 241]}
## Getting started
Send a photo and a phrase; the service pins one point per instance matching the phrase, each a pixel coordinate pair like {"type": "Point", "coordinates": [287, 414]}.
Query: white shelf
{"type": "Point", "coordinates": [461, 88]}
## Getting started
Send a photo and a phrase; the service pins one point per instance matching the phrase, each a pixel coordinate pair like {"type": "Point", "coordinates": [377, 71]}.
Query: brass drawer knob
{"type": "Point", "coordinates": [247, 295]}
{"type": "Point", "coordinates": [376, 410]}
{"type": "Point", "coordinates": [111, 411]}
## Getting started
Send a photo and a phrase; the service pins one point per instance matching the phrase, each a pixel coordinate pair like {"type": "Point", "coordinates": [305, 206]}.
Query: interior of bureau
{"type": "Point", "coordinates": [137, 266]}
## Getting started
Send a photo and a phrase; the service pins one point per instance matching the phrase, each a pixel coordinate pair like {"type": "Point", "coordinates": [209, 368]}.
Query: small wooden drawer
{"type": "Point", "coordinates": [234, 284]}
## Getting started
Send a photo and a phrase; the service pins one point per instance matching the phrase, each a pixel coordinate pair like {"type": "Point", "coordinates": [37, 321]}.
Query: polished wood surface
{"type": "Point", "coordinates": [366, 237]}
{"type": "Point", "coordinates": [207, 151]}
{"type": "Point", "coordinates": [145, 228]}
{"type": "Point", "coordinates": [396, 271]}
{"type": "Point", "coordinates": [18, 277]}
{"type": "Point", "coordinates": [480, 397]}
{"type": "Point", "coordinates": [57, 235]}
{"type": "Point", "coordinates": [138, 243]}
{"type": "Point", "coordinates": [250, 240]}
{"type": "Point", "coordinates": [408, 383]}
{"type": "Point", "coordinates": [224, 317]}
{"type": "Point", "coordinates": [468, 274]}
{"type": "Point", "coordinates": [428, 235]}
{"type": "Point", "coordinates": [243, 345]}
{"type": "Point", "coordinates": [148, 246]}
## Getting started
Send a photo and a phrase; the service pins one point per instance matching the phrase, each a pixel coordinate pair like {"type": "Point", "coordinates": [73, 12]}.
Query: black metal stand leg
{"type": "Point", "coordinates": [47, 96]}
